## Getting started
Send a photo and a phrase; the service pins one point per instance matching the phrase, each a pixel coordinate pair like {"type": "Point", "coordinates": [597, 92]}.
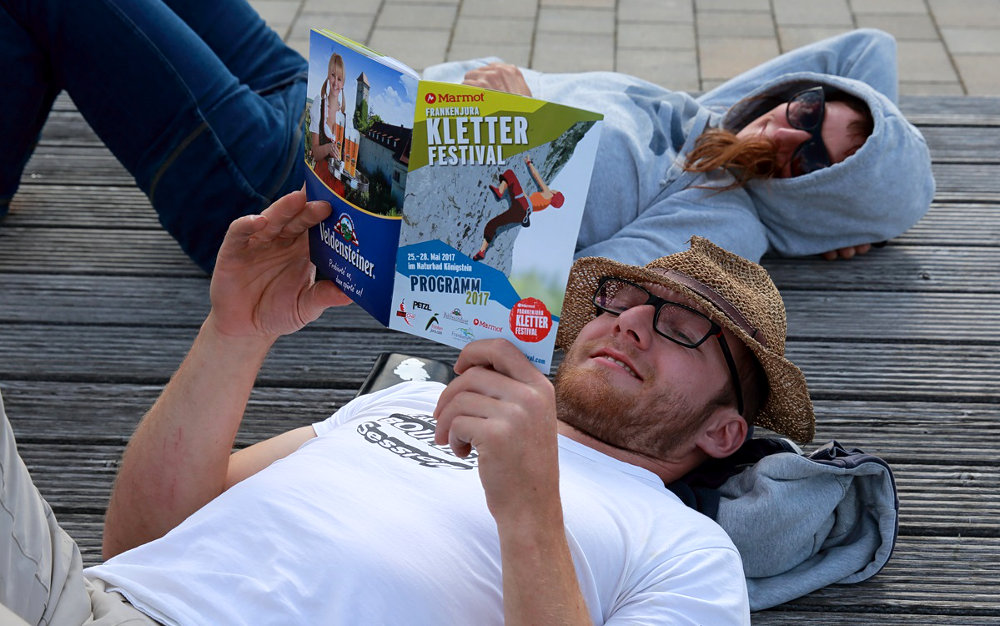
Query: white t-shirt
{"type": "Point", "coordinates": [371, 523]}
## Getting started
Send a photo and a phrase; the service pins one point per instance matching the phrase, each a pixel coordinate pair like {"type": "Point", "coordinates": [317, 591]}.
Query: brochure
{"type": "Point", "coordinates": [455, 208]}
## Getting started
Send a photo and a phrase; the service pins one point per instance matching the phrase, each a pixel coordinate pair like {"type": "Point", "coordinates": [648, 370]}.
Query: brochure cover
{"type": "Point", "coordinates": [455, 209]}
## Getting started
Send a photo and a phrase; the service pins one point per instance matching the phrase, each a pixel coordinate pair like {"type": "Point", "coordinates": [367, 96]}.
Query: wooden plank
{"type": "Point", "coordinates": [825, 616]}
{"type": "Point", "coordinates": [972, 141]}
{"type": "Point", "coordinates": [895, 267]}
{"type": "Point", "coordinates": [65, 126]}
{"type": "Point", "coordinates": [81, 206]}
{"type": "Point", "coordinates": [105, 413]}
{"type": "Point", "coordinates": [87, 299]}
{"type": "Point", "coordinates": [956, 224]}
{"type": "Point", "coordinates": [83, 251]}
{"type": "Point", "coordinates": [960, 182]}
{"type": "Point", "coordinates": [78, 479]}
{"type": "Point", "coordinates": [812, 315]}
{"type": "Point", "coordinates": [83, 165]}
{"type": "Point", "coordinates": [884, 316]}
{"type": "Point", "coordinates": [963, 144]}
{"type": "Point", "coordinates": [75, 165]}
{"type": "Point", "coordinates": [962, 110]}
{"type": "Point", "coordinates": [926, 575]}
{"type": "Point", "coordinates": [46, 206]}
{"type": "Point", "coordinates": [129, 300]}
{"type": "Point", "coordinates": [886, 371]}
{"type": "Point", "coordinates": [310, 358]}
{"type": "Point", "coordinates": [931, 432]}
{"type": "Point", "coordinates": [334, 359]}
{"type": "Point", "coordinates": [953, 110]}
{"type": "Point", "coordinates": [86, 530]}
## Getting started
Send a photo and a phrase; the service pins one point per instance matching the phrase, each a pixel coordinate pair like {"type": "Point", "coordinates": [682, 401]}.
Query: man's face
{"type": "Point", "coordinates": [624, 384]}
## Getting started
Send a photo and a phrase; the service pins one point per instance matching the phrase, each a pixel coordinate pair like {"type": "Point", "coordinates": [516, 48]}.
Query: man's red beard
{"type": "Point", "coordinates": [653, 421]}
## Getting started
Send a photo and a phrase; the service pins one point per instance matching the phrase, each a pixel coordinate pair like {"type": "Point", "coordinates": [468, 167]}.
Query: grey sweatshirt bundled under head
{"type": "Point", "coordinates": [800, 522]}
{"type": "Point", "coordinates": [643, 205]}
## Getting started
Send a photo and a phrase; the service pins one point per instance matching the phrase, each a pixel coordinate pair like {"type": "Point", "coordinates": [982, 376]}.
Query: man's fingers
{"type": "Point", "coordinates": [283, 212]}
{"type": "Point", "coordinates": [463, 418]}
{"type": "Point", "coordinates": [462, 433]}
{"type": "Point", "coordinates": [483, 381]}
{"type": "Point", "coordinates": [242, 229]}
{"type": "Point", "coordinates": [322, 295]}
{"type": "Point", "coordinates": [499, 355]}
{"type": "Point", "coordinates": [311, 214]}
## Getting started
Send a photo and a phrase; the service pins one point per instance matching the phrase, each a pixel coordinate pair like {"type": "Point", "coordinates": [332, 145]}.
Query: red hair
{"type": "Point", "coordinates": [745, 158]}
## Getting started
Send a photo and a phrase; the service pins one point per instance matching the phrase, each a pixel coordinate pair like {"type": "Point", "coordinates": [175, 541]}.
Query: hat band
{"type": "Point", "coordinates": [720, 303]}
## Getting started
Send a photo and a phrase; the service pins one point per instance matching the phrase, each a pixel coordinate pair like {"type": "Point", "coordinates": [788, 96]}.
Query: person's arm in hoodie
{"type": "Point", "coordinates": [866, 54]}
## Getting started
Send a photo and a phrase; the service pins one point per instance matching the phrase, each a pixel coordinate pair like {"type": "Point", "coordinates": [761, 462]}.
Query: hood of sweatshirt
{"type": "Point", "coordinates": [873, 195]}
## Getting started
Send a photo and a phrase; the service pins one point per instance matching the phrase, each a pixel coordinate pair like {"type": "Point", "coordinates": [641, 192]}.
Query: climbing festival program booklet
{"type": "Point", "coordinates": [455, 208]}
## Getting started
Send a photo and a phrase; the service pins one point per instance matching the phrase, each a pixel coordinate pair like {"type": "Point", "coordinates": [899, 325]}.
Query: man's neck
{"type": "Point", "coordinates": [668, 470]}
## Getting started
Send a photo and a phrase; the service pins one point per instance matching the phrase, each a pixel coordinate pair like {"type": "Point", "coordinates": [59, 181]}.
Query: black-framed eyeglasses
{"type": "Point", "coordinates": [677, 322]}
{"type": "Point", "coordinates": [805, 111]}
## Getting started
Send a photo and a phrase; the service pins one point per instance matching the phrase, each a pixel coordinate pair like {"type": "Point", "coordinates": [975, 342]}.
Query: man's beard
{"type": "Point", "coordinates": [654, 424]}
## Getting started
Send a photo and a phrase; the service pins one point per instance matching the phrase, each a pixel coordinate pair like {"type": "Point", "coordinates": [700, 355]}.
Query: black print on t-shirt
{"type": "Point", "coordinates": [412, 437]}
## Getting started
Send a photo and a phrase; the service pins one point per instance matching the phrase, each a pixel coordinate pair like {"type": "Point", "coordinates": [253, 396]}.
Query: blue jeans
{"type": "Point", "coordinates": [199, 99]}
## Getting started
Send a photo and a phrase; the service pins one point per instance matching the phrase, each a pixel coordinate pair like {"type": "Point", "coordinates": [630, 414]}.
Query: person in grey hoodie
{"type": "Point", "coordinates": [648, 196]}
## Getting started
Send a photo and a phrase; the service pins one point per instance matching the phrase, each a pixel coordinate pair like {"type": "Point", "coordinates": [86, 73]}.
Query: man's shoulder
{"type": "Point", "coordinates": [636, 494]}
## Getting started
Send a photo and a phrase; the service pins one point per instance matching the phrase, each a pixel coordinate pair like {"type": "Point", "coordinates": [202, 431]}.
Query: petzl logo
{"type": "Point", "coordinates": [345, 228]}
{"type": "Point", "coordinates": [430, 98]}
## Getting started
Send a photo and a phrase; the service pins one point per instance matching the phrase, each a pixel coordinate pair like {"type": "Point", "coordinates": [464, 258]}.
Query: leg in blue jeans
{"type": "Point", "coordinates": [200, 101]}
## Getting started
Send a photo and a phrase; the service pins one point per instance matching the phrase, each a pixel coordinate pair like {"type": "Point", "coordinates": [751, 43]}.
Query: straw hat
{"type": "Point", "coordinates": [734, 293]}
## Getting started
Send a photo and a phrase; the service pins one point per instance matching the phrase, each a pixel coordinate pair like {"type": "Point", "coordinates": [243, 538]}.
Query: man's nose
{"type": "Point", "coordinates": [637, 322]}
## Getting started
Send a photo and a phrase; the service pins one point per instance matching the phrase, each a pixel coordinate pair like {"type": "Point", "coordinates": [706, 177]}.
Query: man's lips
{"type": "Point", "coordinates": [619, 360]}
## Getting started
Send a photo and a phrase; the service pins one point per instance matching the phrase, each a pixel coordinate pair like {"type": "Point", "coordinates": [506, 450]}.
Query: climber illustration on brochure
{"type": "Point", "coordinates": [455, 208]}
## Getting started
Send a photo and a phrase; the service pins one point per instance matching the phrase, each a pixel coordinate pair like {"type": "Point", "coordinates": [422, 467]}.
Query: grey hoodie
{"type": "Point", "coordinates": [800, 522]}
{"type": "Point", "coordinates": [642, 205]}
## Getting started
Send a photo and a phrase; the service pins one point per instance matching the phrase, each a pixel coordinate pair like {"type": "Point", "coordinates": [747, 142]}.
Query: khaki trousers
{"type": "Point", "coordinates": [41, 571]}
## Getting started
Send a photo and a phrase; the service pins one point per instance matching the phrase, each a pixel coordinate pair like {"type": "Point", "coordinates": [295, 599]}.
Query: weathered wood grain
{"type": "Point", "coordinates": [812, 314]}
{"type": "Point", "coordinates": [972, 509]}
{"type": "Point", "coordinates": [337, 358]}
{"type": "Point", "coordinates": [951, 110]}
{"type": "Point", "coordinates": [949, 269]}
{"type": "Point", "coordinates": [98, 306]}
{"type": "Point", "coordinates": [907, 432]}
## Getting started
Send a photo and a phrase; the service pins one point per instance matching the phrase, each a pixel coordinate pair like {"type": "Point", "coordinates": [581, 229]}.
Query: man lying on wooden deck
{"type": "Point", "coordinates": [501, 495]}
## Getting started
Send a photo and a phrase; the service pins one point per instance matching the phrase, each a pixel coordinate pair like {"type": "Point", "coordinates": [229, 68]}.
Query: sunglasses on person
{"type": "Point", "coordinates": [805, 111]}
{"type": "Point", "coordinates": [675, 321]}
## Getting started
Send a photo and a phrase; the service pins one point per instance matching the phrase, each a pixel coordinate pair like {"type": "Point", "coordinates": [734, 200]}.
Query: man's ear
{"type": "Point", "coordinates": [723, 434]}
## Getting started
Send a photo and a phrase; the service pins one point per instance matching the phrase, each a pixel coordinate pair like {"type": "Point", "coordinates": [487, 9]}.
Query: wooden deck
{"type": "Point", "coordinates": [900, 348]}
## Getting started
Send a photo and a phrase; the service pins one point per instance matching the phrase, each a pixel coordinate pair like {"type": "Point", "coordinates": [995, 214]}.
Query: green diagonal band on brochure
{"type": "Point", "coordinates": [449, 116]}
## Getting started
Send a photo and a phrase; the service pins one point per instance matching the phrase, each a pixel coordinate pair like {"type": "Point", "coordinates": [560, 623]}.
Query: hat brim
{"type": "Point", "coordinates": [788, 409]}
